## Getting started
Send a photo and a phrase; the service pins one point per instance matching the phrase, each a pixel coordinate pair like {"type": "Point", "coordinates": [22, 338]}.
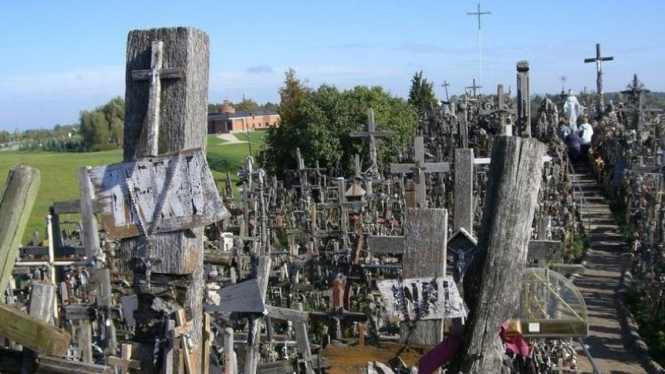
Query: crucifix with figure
{"type": "Point", "coordinates": [599, 79]}
{"type": "Point", "coordinates": [370, 136]}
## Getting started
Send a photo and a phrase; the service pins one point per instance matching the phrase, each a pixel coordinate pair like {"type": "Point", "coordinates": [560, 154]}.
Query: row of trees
{"type": "Point", "coordinates": [319, 121]}
{"type": "Point", "coordinates": [102, 128]}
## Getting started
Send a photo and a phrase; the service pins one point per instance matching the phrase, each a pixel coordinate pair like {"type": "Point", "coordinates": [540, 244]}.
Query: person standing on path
{"type": "Point", "coordinates": [574, 144]}
{"type": "Point", "coordinates": [585, 131]}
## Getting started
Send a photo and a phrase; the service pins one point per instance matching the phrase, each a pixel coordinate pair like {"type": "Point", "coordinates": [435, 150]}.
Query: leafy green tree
{"type": "Point", "coordinates": [4, 136]}
{"type": "Point", "coordinates": [100, 131]}
{"type": "Point", "coordinates": [421, 94]}
{"type": "Point", "coordinates": [319, 123]}
{"type": "Point", "coordinates": [270, 106]}
{"type": "Point", "coordinates": [102, 128]}
{"type": "Point", "coordinates": [246, 105]}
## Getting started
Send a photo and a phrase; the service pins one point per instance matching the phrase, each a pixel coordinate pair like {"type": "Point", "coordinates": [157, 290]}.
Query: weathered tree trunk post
{"type": "Point", "coordinates": [523, 99]}
{"type": "Point", "coordinates": [18, 197]}
{"type": "Point", "coordinates": [493, 283]}
{"type": "Point", "coordinates": [176, 259]}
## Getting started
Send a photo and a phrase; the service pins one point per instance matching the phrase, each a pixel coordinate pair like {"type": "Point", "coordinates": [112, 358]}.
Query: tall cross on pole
{"type": "Point", "coordinates": [445, 86]}
{"type": "Point", "coordinates": [599, 79]}
{"type": "Point", "coordinates": [479, 14]}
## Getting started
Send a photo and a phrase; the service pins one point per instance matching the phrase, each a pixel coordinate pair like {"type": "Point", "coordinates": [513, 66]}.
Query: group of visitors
{"type": "Point", "coordinates": [575, 130]}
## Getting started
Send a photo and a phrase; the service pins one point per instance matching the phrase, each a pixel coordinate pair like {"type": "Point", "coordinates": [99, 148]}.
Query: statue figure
{"type": "Point", "coordinates": [572, 109]}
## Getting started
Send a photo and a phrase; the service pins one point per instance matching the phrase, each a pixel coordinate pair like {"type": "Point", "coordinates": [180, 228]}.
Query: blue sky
{"type": "Point", "coordinates": [59, 57]}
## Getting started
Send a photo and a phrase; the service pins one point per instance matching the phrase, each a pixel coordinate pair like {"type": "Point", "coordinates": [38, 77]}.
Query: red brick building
{"type": "Point", "coordinates": [228, 120]}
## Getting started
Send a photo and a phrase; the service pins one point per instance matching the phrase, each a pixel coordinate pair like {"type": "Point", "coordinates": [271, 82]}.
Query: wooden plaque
{"type": "Point", "coordinates": [165, 193]}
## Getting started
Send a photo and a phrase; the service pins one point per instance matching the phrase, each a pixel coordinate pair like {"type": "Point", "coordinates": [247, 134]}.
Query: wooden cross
{"type": "Point", "coordinates": [445, 86]}
{"type": "Point", "coordinates": [182, 331]}
{"type": "Point", "coordinates": [370, 135]}
{"type": "Point", "coordinates": [419, 168]}
{"type": "Point", "coordinates": [599, 78]}
{"type": "Point", "coordinates": [124, 362]}
{"type": "Point", "coordinates": [474, 87]}
{"type": "Point", "coordinates": [154, 76]}
{"type": "Point", "coordinates": [501, 110]}
{"type": "Point", "coordinates": [248, 174]}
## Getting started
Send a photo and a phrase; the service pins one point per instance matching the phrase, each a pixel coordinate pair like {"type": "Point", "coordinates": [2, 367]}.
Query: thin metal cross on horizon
{"type": "Point", "coordinates": [479, 14]}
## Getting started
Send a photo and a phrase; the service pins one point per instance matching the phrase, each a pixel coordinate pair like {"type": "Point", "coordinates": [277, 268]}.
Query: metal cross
{"type": "Point", "coordinates": [599, 79]}
{"type": "Point", "coordinates": [445, 86]}
{"type": "Point", "coordinates": [474, 87]}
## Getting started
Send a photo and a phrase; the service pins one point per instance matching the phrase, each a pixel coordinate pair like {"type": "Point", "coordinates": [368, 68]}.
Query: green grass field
{"type": "Point", "coordinates": [59, 180]}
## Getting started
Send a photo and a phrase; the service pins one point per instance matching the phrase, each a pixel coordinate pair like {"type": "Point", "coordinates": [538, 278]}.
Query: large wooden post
{"type": "Point", "coordinates": [175, 260]}
{"type": "Point", "coordinates": [523, 100]}
{"type": "Point", "coordinates": [425, 238]}
{"type": "Point", "coordinates": [18, 197]}
{"type": "Point", "coordinates": [492, 286]}
{"type": "Point", "coordinates": [464, 204]}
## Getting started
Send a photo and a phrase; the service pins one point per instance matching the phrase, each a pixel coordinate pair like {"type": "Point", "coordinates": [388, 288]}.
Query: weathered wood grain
{"type": "Point", "coordinates": [32, 332]}
{"type": "Point", "coordinates": [243, 297]}
{"type": "Point", "coordinates": [544, 250]}
{"type": "Point", "coordinates": [492, 286]}
{"type": "Point", "coordinates": [426, 235]}
{"type": "Point", "coordinates": [385, 244]}
{"type": "Point", "coordinates": [52, 365]}
{"type": "Point", "coordinates": [464, 207]}
{"type": "Point", "coordinates": [183, 125]}
{"type": "Point", "coordinates": [285, 314]}
{"type": "Point", "coordinates": [165, 193]}
{"type": "Point", "coordinates": [18, 197]}
{"type": "Point", "coordinates": [42, 301]}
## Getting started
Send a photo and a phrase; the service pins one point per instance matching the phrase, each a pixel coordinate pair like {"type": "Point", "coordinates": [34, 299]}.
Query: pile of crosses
{"type": "Point", "coordinates": [628, 152]}
{"type": "Point", "coordinates": [283, 277]}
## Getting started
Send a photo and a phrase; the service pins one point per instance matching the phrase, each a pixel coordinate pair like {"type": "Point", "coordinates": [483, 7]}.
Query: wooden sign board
{"type": "Point", "coordinates": [422, 299]}
{"type": "Point", "coordinates": [239, 298]}
{"type": "Point", "coordinates": [385, 244]}
{"type": "Point", "coordinates": [165, 193]}
{"type": "Point", "coordinates": [544, 250]}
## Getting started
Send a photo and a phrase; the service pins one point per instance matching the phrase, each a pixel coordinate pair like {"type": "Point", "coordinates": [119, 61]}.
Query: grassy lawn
{"type": "Point", "coordinates": [224, 158]}
{"type": "Point", "coordinates": [60, 182]}
{"type": "Point", "coordinates": [58, 178]}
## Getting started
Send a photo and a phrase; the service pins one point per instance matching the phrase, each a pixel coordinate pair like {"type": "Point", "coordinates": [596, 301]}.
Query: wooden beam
{"type": "Point", "coordinates": [426, 236]}
{"type": "Point", "coordinates": [494, 279]}
{"type": "Point", "coordinates": [285, 314]}
{"type": "Point", "coordinates": [71, 207]}
{"type": "Point", "coordinates": [303, 342]}
{"type": "Point", "coordinates": [18, 197]}
{"type": "Point", "coordinates": [53, 365]}
{"type": "Point", "coordinates": [32, 332]}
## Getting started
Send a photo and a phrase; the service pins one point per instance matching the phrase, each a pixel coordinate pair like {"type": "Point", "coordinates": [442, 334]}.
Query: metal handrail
{"type": "Point", "coordinates": [594, 366]}
{"type": "Point", "coordinates": [576, 184]}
